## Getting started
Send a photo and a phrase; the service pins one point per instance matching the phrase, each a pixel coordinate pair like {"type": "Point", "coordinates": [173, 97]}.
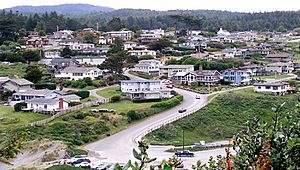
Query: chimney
{"type": "Point", "coordinates": [61, 103]}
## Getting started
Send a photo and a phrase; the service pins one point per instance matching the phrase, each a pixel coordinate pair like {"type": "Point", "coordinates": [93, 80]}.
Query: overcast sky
{"type": "Point", "coordinates": [231, 5]}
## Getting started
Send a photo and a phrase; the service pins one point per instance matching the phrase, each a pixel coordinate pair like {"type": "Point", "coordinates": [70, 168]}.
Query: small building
{"type": "Point", "coordinates": [46, 105]}
{"type": "Point", "coordinates": [202, 77]}
{"type": "Point", "coordinates": [170, 70]}
{"type": "Point", "coordinates": [283, 57]}
{"type": "Point", "coordinates": [37, 42]}
{"type": "Point", "coordinates": [279, 67]}
{"type": "Point", "coordinates": [237, 76]}
{"type": "Point", "coordinates": [90, 60]}
{"type": "Point", "coordinates": [278, 88]}
{"type": "Point", "coordinates": [82, 46]}
{"type": "Point", "coordinates": [68, 42]}
{"type": "Point", "coordinates": [57, 64]}
{"type": "Point", "coordinates": [148, 66]}
{"type": "Point", "coordinates": [144, 90]}
{"type": "Point", "coordinates": [24, 95]}
{"type": "Point", "coordinates": [63, 34]}
{"type": "Point", "coordinates": [52, 53]}
{"type": "Point", "coordinates": [78, 73]}
{"type": "Point", "coordinates": [124, 35]}
{"type": "Point", "coordinates": [139, 53]}
{"type": "Point", "coordinates": [15, 85]}
{"type": "Point", "coordinates": [129, 45]}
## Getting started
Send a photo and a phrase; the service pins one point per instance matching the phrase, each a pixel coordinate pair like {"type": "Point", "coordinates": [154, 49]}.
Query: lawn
{"type": "Point", "coordinates": [277, 76]}
{"type": "Point", "coordinates": [91, 98]}
{"type": "Point", "coordinates": [297, 58]}
{"type": "Point", "coordinates": [89, 88]}
{"type": "Point", "coordinates": [222, 118]}
{"type": "Point", "coordinates": [141, 74]}
{"type": "Point", "coordinates": [13, 70]}
{"type": "Point", "coordinates": [10, 119]}
{"type": "Point", "coordinates": [109, 92]}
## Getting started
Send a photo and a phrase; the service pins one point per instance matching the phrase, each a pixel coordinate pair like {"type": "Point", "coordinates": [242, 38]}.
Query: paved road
{"type": "Point", "coordinates": [118, 147]}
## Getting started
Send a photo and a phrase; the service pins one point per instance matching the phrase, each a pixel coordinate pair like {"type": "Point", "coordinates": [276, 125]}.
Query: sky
{"type": "Point", "coordinates": [230, 5]}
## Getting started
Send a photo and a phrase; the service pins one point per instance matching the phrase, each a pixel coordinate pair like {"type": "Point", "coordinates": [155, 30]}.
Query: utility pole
{"type": "Point", "coordinates": [97, 26]}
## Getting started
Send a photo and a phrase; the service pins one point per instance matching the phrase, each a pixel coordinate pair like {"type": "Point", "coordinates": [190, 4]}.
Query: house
{"type": "Point", "coordinates": [148, 66]}
{"type": "Point", "coordinates": [37, 42]}
{"type": "Point", "coordinates": [68, 42]}
{"type": "Point", "coordinates": [63, 34]}
{"type": "Point", "coordinates": [78, 73]}
{"type": "Point", "coordinates": [15, 85]}
{"type": "Point", "coordinates": [148, 38]}
{"type": "Point", "coordinates": [253, 70]}
{"type": "Point", "coordinates": [144, 90]}
{"type": "Point", "coordinates": [46, 105]}
{"type": "Point", "coordinates": [96, 50]}
{"type": "Point", "coordinates": [279, 67]}
{"type": "Point", "coordinates": [57, 64]}
{"type": "Point", "coordinates": [296, 66]}
{"type": "Point", "coordinates": [87, 30]}
{"type": "Point", "coordinates": [170, 70]}
{"type": "Point", "coordinates": [129, 45]}
{"type": "Point", "coordinates": [202, 77]}
{"type": "Point", "coordinates": [82, 46]}
{"type": "Point", "coordinates": [139, 53]}
{"type": "Point", "coordinates": [105, 40]}
{"type": "Point", "coordinates": [52, 53]}
{"type": "Point", "coordinates": [284, 57]}
{"type": "Point", "coordinates": [222, 32]}
{"type": "Point", "coordinates": [277, 88]}
{"type": "Point", "coordinates": [237, 76]}
{"type": "Point", "coordinates": [90, 60]}
{"type": "Point", "coordinates": [24, 95]}
{"type": "Point", "coordinates": [124, 35]}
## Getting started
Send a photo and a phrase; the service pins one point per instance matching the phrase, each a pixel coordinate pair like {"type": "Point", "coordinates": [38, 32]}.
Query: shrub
{"type": "Point", "coordinates": [18, 107]}
{"type": "Point", "coordinates": [74, 103]}
{"type": "Point", "coordinates": [50, 86]}
{"type": "Point", "coordinates": [169, 103]}
{"type": "Point", "coordinates": [6, 95]}
{"type": "Point", "coordinates": [83, 94]}
{"type": "Point", "coordinates": [133, 115]}
{"type": "Point", "coordinates": [66, 83]}
{"type": "Point", "coordinates": [115, 98]}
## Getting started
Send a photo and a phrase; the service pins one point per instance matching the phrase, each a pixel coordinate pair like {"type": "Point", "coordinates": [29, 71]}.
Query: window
{"type": "Point", "coordinates": [45, 106]}
{"type": "Point", "coordinates": [268, 87]}
{"type": "Point", "coordinates": [275, 88]}
{"type": "Point", "coordinates": [259, 87]}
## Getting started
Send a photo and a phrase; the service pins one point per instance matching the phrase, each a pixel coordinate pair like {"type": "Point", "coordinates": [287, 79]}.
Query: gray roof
{"type": "Point", "coordinates": [61, 60]}
{"type": "Point", "coordinates": [279, 64]}
{"type": "Point", "coordinates": [43, 101]}
{"type": "Point", "coordinates": [177, 66]}
{"type": "Point", "coordinates": [270, 84]}
{"type": "Point", "coordinates": [3, 79]}
{"type": "Point", "coordinates": [21, 82]}
{"type": "Point", "coordinates": [42, 92]}
{"type": "Point", "coordinates": [79, 69]}
{"type": "Point", "coordinates": [281, 55]}
{"type": "Point", "coordinates": [140, 81]}
{"type": "Point", "coordinates": [70, 97]}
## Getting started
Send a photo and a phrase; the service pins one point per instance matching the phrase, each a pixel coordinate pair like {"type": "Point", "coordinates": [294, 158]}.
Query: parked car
{"type": "Point", "coordinates": [179, 166]}
{"type": "Point", "coordinates": [83, 165]}
{"type": "Point", "coordinates": [80, 160]}
{"type": "Point", "coordinates": [184, 154]}
{"type": "Point", "coordinates": [198, 97]}
{"type": "Point", "coordinates": [181, 110]}
{"type": "Point", "coordinates": [170, 86]}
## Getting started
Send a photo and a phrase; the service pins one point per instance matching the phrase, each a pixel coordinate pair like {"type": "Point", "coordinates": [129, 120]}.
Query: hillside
{"type": "Point", "coordinates": [65, 9]}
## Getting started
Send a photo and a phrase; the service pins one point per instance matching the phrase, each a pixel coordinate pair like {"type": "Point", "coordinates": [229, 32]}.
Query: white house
{"type": "Point", "coordinates": [222, 32]}
{"type": "Point", "coordinates": [52, 54]}
{"type": "Point", "coordinates": [139, 53]}
{"type": "Point", "coordinates": [63, 34]}
{"type": "Point", "coordinates": [144, 89]}
{"type": "Point", "coordinates": [77, 73]}
{"type": "Point", "coordinates": [129, 45]}
{"type": "Point", "coordinates": [170, 70]}
{"type": "Point", "coordinates": [82, 46]}
{"type": "Point", "coordinates": [68, 42]}
{"type": "Point", "coordinates": [278, 88]}
{"type": "Point", "coordinates": [24, 95]}
{"type": "Point", "coordinates": [279, 67]}
{"type": "Point", "coordinates": [47, 105]}
{"type": "Point", "coordinates": [148, 66]}
{"type": "Point", "coordinates": [90, 60]}
{"type": "Point", "coordinates": [125, 35]}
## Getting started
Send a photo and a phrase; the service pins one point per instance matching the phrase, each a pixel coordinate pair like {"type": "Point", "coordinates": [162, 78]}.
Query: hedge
{"type": "Point", "coordinates": [50, 86]}
{"type": "Point", "coordinates": [115, 98]}
{"type": "Point", "coordinates": [18, 107]}
{"type": "Point", "coordinates": [169, 103]}
{"type": "Point", "coordinates": [83, 94]}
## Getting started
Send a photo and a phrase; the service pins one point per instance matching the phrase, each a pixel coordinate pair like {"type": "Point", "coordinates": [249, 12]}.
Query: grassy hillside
{"type": "Point", "coordinates": [222, 118]}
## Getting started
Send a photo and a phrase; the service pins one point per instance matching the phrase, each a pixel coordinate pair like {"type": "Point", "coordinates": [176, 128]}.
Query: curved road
{"type": "Point", "coordinates": [118, 147]}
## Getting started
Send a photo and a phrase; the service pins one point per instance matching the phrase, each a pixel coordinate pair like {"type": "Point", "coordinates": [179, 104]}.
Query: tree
{"type": "Point", "coordinates": [115, 62]}
{"type": "Point", "coordinates": [115, 24]}
{"type": "Point", "coordinates": [7, 29]}
{"type": "Point", "coordinates": [89, 38]}
{"type": "Point", "coordinates": [118, 46]}
{"type": "Point", "coordinates": [66, 52]}
{"type": "Point", "coordinates": [160, 44]}
{"type": "Point", "coordinates": [32, 55]}
{"type": "Point", "coordinates": [33, 73]}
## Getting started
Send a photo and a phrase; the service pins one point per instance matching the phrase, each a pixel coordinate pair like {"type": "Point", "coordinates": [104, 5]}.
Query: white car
{"type": "Point", "coordinates": [83, 165]}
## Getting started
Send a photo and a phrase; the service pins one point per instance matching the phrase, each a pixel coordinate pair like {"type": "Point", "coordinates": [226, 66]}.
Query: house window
{"type": "Point", "coordinates": [275, 88]}
{"type": "Point", "coordinates": [259, 87]}
{"type": "Point", "coordinates": [268, 87]}
{"type": "Point", "coordinates": [45, 106]}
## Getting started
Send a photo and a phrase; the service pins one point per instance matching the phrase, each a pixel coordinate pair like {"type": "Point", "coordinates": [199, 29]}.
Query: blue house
{"type": "Point", "coordinates": [237, 76]}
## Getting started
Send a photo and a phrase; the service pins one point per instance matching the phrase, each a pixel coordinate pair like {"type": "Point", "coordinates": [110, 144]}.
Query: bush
{"type": "Point", "coordinates": [18, 107]}
{"type": "Point", "coordinates": [50, 86]}
{"type": "Point", "coordinates": [115, 98]}
{"type": "Point", "coordinates": [169, 103]}
{"type": "Point", "coordinates": [74, 104]}
{"type": "Point", "coordinates": [66, 83]}
{"type": "Point", "coordinates": [133, 115]}
{"type": "Point", "coordinates": [83, 94]}
{"type": "Point", "coordinates": [6, 95]}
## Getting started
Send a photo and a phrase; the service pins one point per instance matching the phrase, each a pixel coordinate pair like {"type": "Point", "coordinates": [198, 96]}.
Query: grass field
{"type": "Point", "coordinates": [297, 58]}
{"type": "Point", "coordinates": [222, 118]}
{"type": "Point", "coordinates": [109, 92]}
{"type": "Point", "coordinates": [91, 98]}
{"type": "Point", "coordinates": [13, 70]}
{"type": "Point", "coordinates": [10, 119]}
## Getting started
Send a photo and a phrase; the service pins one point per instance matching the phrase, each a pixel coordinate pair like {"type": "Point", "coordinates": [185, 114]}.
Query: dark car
{"type": "Point", "coordinates": [179, 165]}
{"type": "Point", "coordinates": [184, 154]}
{"type": "Point", "coordinates": [78, 161]}
{"type": "Point", "coordinates": [181, 110]}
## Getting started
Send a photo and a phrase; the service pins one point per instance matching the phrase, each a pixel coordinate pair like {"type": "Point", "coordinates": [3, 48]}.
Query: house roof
{"type": "Point", "coordinates": [3, 79]}
{"type": "Point", "coordinates": [177, 66]}
{"type": "Point", "coordinates": [140, 81]}
{"type": "Point", "coordinates": [281, 55]}
{"type": "Point", "coordinates": [61, 60]}
{"type": "Point", "coordinates": [69, 40]}
{"type": "Point", "coordinates": [29, 92]}
{"type": "Point", "coordinates": [278, 64]}
{"type": "Point", "coordinates": [270, 84]}
{"type": "Point", "coordinates": [70, 97]}
{"type": "Point", "coordinates": [44, 101]}
{"type": "Point", "coordinates": [21, 82]}
{"type": "Point", "coordinates": [79, 69]}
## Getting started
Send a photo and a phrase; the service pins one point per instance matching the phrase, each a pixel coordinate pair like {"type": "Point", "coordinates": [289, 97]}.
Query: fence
{"type": "Point", "coordinates": [71, 109]}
